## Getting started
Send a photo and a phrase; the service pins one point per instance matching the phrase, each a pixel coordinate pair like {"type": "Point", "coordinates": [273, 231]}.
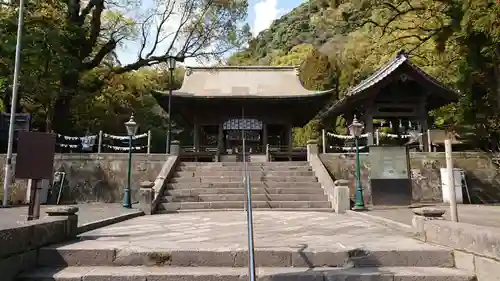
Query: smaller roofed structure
{"type": "Point", "coordinates": [213, 98]}
{"type": "Point", "coordinates": [398, 91]}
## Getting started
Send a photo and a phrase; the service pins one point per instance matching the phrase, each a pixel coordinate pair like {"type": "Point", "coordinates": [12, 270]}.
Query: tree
{"type": "Point", "coordinates": [87, 34]}
{"type": "Point", "coordinates": [316, 72]}
{"type": "Point", "coordinates": [469, 30]}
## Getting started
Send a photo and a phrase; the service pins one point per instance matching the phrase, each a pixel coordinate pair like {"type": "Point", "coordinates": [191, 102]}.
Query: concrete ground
{"type": "Point", "coordinates": [88, 213]}
{"type": "Point", "coordinates": [484, 215]}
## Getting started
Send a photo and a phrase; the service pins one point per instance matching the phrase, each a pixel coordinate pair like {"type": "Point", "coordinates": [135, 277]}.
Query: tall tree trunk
{"type": "Point", "coordinates": [61, 119]}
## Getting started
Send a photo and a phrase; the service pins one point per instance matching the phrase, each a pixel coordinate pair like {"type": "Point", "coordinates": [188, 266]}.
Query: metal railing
{"type": "Point", "coordinates": [246, 181]}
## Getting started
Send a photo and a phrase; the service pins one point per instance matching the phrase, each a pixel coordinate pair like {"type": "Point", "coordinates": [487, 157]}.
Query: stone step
{"type": "Point", "coordinates": [239, 274]}
{"type": "Point", "coordinates": [242, 197]}
{"type": "Point", "coordinates": [241, 168]}
{"type": "Point", "coordinates": [92, 253]}
{"type": "Point", "coordinates": [253, 174]}
{"type": "Point", "coordinates": [249, 164]}
{"type": "Point", "coordinates": [226, 205]}
{"type": "Point", "coordinates": [294, 210]}
{"type": "Point", "coordinates": [242, 190]}
{"type": "Point", "coordinates": [240, 184]}
{"type": "Point", "coordinates": [216, 179]}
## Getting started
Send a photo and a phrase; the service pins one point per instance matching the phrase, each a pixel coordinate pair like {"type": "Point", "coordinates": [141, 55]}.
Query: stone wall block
{"type": "Point", "coordinates": [147, 196]}
{"type": "Point", "coordinates": [71, 223]}
{"type": "Point", "coordinates": [487, 269]}
{"type": "Point", "coordinates": [341, 200]}
{"type": "Point", "coordinates": [483, 178]}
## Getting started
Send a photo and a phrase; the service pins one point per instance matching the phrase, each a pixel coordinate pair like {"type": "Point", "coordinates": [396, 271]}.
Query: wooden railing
{"type": "Point", "coordinates": [202, 154]}
{"type": "Point", "coordinates": [276, 153]}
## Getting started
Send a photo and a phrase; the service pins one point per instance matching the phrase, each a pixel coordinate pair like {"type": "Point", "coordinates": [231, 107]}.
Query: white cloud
{"type": "Point", "coordinates": [266, 11]}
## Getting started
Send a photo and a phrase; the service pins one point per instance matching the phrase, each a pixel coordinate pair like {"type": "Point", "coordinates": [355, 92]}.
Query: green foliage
{"type": "Point", "coordinates": [456, 42]}
{"type": "Point", "coordinates": [71, 80]}
{"type": "Point", "coordinates": [316, 72]}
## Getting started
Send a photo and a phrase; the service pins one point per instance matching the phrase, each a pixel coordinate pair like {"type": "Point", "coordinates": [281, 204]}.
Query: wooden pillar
{"type": "Point", "coordinates": [196, 136]}
{"type": "Point", "coordinates": [220, 138]}
{"type": "Point", "coordinates": [289, 136]}
{"type": "Point", "coordinates": [368, 120]}
{"type": "Point", "coordinates": [264, 136]}
{"type": "Point", "coordinates": [422, 119]}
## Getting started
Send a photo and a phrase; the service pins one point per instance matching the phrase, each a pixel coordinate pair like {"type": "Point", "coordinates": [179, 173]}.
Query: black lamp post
{"type": "Point", "coordinates": [131, 131]}
{"type": "Point", "coordinates": [355, 129]}
{"type": "Point", "coordinates": [171, 62]}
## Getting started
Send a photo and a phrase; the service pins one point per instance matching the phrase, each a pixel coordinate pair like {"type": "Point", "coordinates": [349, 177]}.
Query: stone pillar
{"type": "Point", "coordinates": [341, 200]}
{"type": "Point", "coordinates": [175, 148]}
{"type": "Point", "coordinates": [264, 136]}
{"type": "Point", "coordinates": [70, 213]}
{"type": "Point", "coordinates": [147, 195]}
{"type": "Point", "coordinates": [312, 148]}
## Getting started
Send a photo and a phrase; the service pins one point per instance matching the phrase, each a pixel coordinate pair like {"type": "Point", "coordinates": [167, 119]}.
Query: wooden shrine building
{"type": "Point", "coordinates": [398, 92]}
{"type": "Point", "coordinates": [265, 102]}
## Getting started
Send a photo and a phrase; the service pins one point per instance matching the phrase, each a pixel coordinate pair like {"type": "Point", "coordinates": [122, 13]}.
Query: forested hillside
{"type": "Point", "coordinates": [338, 43]}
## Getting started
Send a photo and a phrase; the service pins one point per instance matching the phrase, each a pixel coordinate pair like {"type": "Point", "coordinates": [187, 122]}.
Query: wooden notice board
{"type": "Point", "coordinates": [35, 155]}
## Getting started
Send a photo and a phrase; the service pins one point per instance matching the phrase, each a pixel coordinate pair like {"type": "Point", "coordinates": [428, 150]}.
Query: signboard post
{"type": "Point", "coordinates": [35, 161]}
{"type": "Point", "coordinates": [390, 176]}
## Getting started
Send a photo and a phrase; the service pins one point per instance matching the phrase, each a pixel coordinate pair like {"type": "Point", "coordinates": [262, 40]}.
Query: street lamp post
{"type": "Point", "coordinates": [355, 129]}
{"type": "Point", "coordinates": [171, 61]}
{"type": "Point", "coordinates": [131, 131]}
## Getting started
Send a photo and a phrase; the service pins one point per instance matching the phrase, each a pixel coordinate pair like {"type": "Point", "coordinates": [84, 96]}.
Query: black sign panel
{"type": "Point", "coordinates": [35, 155]}
{"type": "Point", "coordinates": [22, 122]}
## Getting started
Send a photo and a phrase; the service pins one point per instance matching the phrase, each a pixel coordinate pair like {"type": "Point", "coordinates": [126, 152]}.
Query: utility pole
{"type": "Point", "coordinates": [15, 88]}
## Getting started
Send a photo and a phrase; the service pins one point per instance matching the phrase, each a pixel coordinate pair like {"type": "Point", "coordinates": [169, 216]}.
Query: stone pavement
{"type": "Point", "coordinates": [212, 246]}
{"type": "Point", "coordinates": [88, 213]}
{"type": "Point", "coordinates": [484, 215]}
{"type": "Point", "coordinates": [228, 231]}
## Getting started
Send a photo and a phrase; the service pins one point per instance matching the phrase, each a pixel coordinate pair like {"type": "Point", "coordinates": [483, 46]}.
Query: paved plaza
{"type": "Point", "coordinates": [228, 230]}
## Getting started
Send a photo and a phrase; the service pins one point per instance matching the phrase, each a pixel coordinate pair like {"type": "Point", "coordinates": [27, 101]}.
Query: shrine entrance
{"type": "Point", "coordinates": [251, 129]}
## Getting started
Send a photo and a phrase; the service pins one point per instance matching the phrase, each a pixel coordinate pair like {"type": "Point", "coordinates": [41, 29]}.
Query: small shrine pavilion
{"type": "Point", "coordinates": [399, 92]}
{"type": "Point", "coordinates": [265, 102]}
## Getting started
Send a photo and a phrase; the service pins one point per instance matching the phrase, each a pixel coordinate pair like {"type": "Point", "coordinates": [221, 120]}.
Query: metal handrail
{"type": "Point", "coordinates": [246, 181]}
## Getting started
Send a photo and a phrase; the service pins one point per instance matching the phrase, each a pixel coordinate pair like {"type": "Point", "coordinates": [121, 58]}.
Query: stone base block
{"type": "Point", "coordinates": [341, 201]}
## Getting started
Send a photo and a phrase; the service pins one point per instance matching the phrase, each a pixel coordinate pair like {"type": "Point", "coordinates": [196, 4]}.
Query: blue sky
{"type": "Point", "coordinates": [261, 14]}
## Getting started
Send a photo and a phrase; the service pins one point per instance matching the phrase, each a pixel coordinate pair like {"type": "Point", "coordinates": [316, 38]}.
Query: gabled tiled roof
{"type": "Point", "coordinates": [243, 82]}
{"type": "Point", "coordinates": [400, 61]}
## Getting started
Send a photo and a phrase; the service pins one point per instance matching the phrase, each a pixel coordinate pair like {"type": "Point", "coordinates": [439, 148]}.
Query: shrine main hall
{"type": "Point", "coordinates": [265, 103]}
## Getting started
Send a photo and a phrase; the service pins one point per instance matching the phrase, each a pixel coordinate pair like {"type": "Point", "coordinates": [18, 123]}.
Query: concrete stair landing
{"type": "Point", "coordinates": [200, 186]}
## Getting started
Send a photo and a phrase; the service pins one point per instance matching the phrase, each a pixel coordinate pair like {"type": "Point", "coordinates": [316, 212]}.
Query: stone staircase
{"type": "Point", "coordinates": [219, 186]}
{"type": "Point", "coordinates": [211, 247]}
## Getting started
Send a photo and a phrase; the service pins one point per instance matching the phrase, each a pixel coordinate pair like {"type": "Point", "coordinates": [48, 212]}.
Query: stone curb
{"type": "Point", "coordinates": [108, 221]}
{"type": "Point", "coordinates": [383, 221]}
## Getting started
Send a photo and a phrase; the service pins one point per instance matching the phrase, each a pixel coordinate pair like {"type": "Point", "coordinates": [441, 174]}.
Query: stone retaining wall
{"type": "Point", "coordinates": [96, 178]}
{"type": "Point", "coordinates": [483, 178]}
{"type": "Point", "coordinates": [477, 248]}
{"type": "Point", "coordinates": [19, 243]}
